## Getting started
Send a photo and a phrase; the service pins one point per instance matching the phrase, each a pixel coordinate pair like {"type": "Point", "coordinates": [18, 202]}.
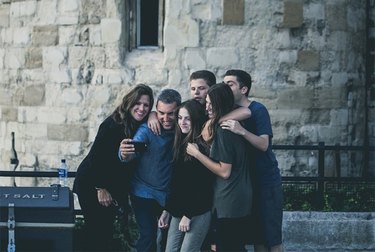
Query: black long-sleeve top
{"type": "Point", "coordinates": [191, 189]}
{"type": "Point", "coordinates": [102, 167]}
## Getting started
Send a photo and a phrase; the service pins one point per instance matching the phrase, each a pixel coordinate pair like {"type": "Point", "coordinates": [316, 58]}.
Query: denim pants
{"type": "Point", "coordinates": [191, 240]}
{"type": "Point", "coordinates": [147, 212]}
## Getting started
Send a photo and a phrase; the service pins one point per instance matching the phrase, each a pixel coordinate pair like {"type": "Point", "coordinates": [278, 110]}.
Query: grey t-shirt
{"type": "Point", "coordinates": [232, 196]}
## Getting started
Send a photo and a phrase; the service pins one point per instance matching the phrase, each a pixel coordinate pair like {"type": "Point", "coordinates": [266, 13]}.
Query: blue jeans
{"type": "Point", "coordinates": [147, 212]}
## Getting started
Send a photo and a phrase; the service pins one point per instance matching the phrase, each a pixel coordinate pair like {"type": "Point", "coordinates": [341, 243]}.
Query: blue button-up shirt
{"type": "Point", "coordinates": [152, 176]}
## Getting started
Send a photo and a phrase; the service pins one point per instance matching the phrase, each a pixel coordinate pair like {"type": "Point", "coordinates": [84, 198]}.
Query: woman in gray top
{"type": "Point", "coordinates": [229, 161]}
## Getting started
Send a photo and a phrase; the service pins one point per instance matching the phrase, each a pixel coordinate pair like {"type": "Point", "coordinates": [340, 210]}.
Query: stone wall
{"type": "Point", "coordinates": [64, 66]}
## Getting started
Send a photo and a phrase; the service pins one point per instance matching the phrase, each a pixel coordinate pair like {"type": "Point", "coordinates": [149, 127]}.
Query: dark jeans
{"type": "Point", "coordinates": [231, 234]}
{"type": "Point", "coordinates": [147, 212]}
{"type": "Point", "coordinates": [99, 220]}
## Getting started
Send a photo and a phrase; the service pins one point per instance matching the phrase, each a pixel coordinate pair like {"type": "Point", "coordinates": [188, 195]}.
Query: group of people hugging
{"type": "Point", "coordinates": [207, 179]}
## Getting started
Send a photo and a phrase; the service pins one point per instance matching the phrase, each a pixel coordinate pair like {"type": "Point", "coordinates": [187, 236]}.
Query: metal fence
{"type": "Point", "coordinates": [317, 192]}
{"type": "Point", "coordinates": [330, 193]}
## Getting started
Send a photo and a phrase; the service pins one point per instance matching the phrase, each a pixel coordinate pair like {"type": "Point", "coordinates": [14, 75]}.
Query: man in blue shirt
{"type": "Point", "coordinates": [151, 180]}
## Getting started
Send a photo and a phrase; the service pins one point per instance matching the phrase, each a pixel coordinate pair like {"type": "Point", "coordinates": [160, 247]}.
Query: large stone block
{"type": "Point", "coordinates": [15, 58]}
{"type": "Point", "coordinates": [22, 36]}
{"type": "Point", "coordinates": [302, 98]}
{"type": "Point", "coordinates": [308, 60]}
{"type": "Point", "coordinates": [331, 97]}
{"type": "Point", "coordinates": [54, 57]}
{"type": "Point", "coordinates": [194, 59]}
{"type": "Point", "coordinates": [47, 12]}
{"type": "Point", "coordinates": [54, 115]}
{"type": "Point", "coordinates": [314, 11]}
{"type": "Point", "coordinates": [111, 30]}
{"type": "Point", "coordinates": [34, 58]}
{"type": "Point", "coordinates": [222, 57]}
{"type": "Point", "coordinates": [67, 35]}
{"type": "Point", "coordinates": [20, 9]}
{"type": "Point", "coordinates": [27, 114]}
{"type": "Point", "coordinates": [329, 231]}
{"type": "Point", "coordinates": [293, 13]}
{"type": "Point", "coordinates": [67, 132]}
{"type": "Point", "coordinates": [233, 12]}
{"type": "Point", "coordinates": [4, 15]}
{"type": "Point", "coordinates": [183, 32]}
{"type": "Point", "coordinates": [45, 35]}
{"type": "Point", "coordinates": [34, 96]}
{"type": "Point", "coordinates": [336, 15]}
{"type": "Point", "coordinates": [9, 114]}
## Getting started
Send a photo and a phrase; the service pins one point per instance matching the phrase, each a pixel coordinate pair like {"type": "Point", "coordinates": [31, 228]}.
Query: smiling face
{"type": "Point", "coordinates": [184, 121]}
{"type": "Point", "coordinates": [198, 90]}
{"type": "Point", "coordinates": [141, 108]}
{"type": "Point", "coordinates": [165, 114]}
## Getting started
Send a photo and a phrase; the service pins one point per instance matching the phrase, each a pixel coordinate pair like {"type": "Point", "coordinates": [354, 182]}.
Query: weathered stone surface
{"type": "Point", "coordinates": [66, 132]}
{"type": "Point", "coordinates": [34, 58]}
{"type": "Point", "coordinates": [111, 30]}
{"type": "Point", "coordinates": [224, 57]}
{"type": "Point", "coordinates": [182, 33]}
{"type": "Point", "coordinates": [336, 15]}
{"type": "Point", "coordinates": [2, 54]}
{"type": "Point", "coordinates": [45, 35]}
{"type": "Point", "coordinates": [22, 36]}
{"type": "Point", "coordinates": [54, 58]}
{"type": "Point", "coordinates": [195, 59]}
{"type": "Point", "coordinates": [308, 60]}
{"type": "Point", "coordinates": [14, 58]}
{"type": "Point", "coordinates": [34, 96]}
{"type": "Point", "coordinates": [293, 13]}
{"type": "Point", "coordinates": [332, 231]}
{"type": "Point", "coordinates": [233, 12]}
{"type": "Point", "coordinates": [9, 114]}
{"type": "Point", "coordinates": [301, 98]}
{"type": "Point", "coordinates": [4, 15]}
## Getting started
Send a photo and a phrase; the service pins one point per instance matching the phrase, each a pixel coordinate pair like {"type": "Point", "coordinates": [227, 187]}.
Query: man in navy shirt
{"type": "Point", "coordinates": [151, 181]}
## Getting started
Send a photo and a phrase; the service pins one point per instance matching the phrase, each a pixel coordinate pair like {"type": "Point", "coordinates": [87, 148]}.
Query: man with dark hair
{"type": "Point", "coordinates": [150, 183]}
{"type": "Point", "coordinates": [266, 220]}
{"type": "Point", "coordinates": [200, 82]}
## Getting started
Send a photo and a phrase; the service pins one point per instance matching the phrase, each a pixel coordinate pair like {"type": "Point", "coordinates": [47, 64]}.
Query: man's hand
{"type": "Point", "coordinates": [153, 123]}
{"type": "Point", "coordinates": [126, 149]}
{"type": "Point", "coordinates": [184, 225]}
{"type": "Point", "coordinates": [233, 126]}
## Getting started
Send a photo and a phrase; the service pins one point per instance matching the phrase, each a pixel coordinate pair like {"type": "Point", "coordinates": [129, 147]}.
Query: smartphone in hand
{"type": "Point", "coordinates": [139, 146]}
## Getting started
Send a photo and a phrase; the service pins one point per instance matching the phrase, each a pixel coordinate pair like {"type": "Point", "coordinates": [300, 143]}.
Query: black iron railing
{"type": "Point", "coordinates": [319, 186]}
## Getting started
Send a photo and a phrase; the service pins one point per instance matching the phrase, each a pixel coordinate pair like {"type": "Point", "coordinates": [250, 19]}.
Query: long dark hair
{"type": "Point", "coordinates": [197, 119]}
{"type": "Point", "coordinates": [122, 115]}
{"type": "Point", "coordinates": [222, 102]}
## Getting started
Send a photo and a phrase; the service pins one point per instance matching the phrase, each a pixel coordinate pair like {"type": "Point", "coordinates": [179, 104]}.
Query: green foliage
{"type": "Point", "coordinates": [126, 233]}
{"type": "Point", "coordinates": [298, 197]}
{"type": "Point", "coordinates": [124, 237]}
{"type": "Point", "coordinates": [348, 197]}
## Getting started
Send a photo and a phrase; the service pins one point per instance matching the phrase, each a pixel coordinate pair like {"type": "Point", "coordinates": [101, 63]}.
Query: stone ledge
{"type": "Point", "coordinates": [329, 231]}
